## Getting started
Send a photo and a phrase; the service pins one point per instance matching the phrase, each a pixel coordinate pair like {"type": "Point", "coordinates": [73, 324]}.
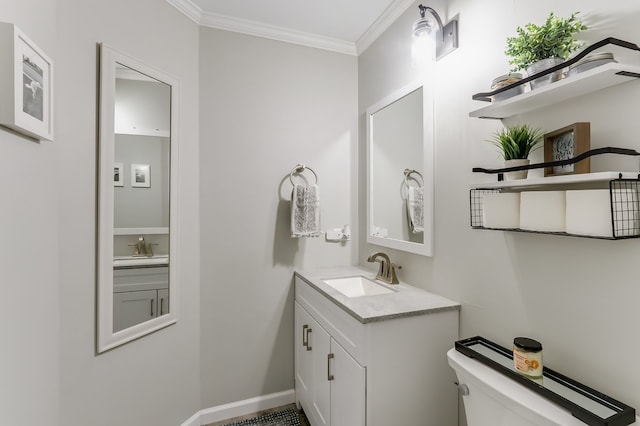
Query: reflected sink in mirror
{"type": "Point", "coordinates": [357, 286]}
{"type": "Point", "coordinates": [129, 261]}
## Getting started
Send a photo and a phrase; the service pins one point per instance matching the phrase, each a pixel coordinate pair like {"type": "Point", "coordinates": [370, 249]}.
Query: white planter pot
{"type": "Point", "coordinates": [542, 65]}
{"type": "Point", "coordinates": [515, 163]}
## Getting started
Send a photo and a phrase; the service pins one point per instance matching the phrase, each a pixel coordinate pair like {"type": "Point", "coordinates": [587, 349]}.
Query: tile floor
{"type": "Point", "coordinates": [301, 416]}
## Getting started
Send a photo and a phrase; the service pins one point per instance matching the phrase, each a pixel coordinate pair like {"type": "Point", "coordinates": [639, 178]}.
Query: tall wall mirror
{"type": "Point", "coordinates": [137, 209]}
{"type": "Point", "coordinates": [400, 170]}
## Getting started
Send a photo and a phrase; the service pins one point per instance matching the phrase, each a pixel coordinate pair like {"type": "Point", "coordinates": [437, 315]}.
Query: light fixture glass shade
{"type": "Point", "coordinates": [422, 48]}
{"type": "Point", "coordinates": [423, 26]}
{"type": "Point", "coordinates": [429, 34]}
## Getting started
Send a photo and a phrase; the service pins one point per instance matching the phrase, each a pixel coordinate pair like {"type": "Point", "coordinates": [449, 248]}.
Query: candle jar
{"type": "Point", "coordinates": [527, 357]}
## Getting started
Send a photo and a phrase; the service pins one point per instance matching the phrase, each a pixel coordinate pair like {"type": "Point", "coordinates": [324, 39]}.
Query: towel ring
{"type": "Point", "coordinates": [407, 175]}
{"type": "Point", "coordinates": [299, 168]}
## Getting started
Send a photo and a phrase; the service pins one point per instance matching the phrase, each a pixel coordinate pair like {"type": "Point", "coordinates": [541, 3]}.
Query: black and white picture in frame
{"type": "Point", "coordinates": [565, 144]}
{"type": "Point", "coordinates": [140, 176]}
{"type": "Point", "coordinates": [26, 85]}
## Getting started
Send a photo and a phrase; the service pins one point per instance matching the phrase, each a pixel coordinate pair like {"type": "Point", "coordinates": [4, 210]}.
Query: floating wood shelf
{"type": "Point", "coordinates": [585, 178]}
{"type": "Point", "coordinates": [586, 82]}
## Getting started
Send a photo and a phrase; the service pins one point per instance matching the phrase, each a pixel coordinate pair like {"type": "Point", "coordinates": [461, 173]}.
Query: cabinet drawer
{"type": "Point", "coordinates": [140, 279]}
{"type": "Point", "coordinates": [345, 329]}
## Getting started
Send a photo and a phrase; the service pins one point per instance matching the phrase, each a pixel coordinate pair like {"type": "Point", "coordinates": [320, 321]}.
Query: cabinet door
{"type": "Point", "coordinates": [303, 372]}
{"type": "Point", "coordinates": [320, 343]}
{"type": "Point", "coordinates": [347, 388]}
{"type": "Point", "coordinates": [133, 307]}
{"type": "Point", "coordinates": [163, 302]}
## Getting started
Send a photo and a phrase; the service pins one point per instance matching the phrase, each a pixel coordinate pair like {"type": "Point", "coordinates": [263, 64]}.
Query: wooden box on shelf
{"type": "Point", "coordinates": [564, 144]}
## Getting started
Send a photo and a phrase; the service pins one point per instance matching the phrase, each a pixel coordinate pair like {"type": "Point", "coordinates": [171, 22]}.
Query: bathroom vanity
{"type": "Point", "coordinates": [139, 294]}
{"type": "Point", "coordinates": [372, 354]}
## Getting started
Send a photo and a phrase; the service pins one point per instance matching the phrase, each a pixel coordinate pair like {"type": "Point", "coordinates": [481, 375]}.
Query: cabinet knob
{"type": "Point", "coordinates": [309, 330]}
{"type": "Point", "coordinates": [329, 375]}
{"type": "Point", "coordinates": [305, 342]}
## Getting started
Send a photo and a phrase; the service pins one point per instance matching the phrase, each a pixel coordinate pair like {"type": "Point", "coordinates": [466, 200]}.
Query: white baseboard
{"type": "Point", "coordinates": [241, 408]}
{"type": "Point", "coordinates": [193, 420]}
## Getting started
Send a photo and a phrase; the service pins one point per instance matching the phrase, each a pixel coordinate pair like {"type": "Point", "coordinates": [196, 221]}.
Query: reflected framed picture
{"type": "Point", "coordinates": [140, 176]}
{"type": "Point", "coordinates": [118, 177]}
{"type": "Point", "coordinates": [26, 85]}
{"type": "Point", "coordinates": [565, 144]}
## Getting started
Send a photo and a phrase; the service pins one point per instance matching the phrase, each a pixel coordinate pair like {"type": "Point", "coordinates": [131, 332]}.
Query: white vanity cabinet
{"type": "Point", "coordinates": [139, 294]}
{"type": "Point", "coordinates": [373, 370]}
{"type": "Point", "coordinates": [331, 382]}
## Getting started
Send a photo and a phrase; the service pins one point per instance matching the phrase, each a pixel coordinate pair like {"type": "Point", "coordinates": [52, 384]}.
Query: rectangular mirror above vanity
{"type": "Point", "coordinates": [400, 170]}
{"type": "Point", "coordinates": [137, 210]}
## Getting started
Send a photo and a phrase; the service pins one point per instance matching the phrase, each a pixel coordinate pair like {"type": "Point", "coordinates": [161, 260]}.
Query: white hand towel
{"type": "Point", "coordinates": [415, 209]}
{"type": "Point", "coordinates": [305, 211]}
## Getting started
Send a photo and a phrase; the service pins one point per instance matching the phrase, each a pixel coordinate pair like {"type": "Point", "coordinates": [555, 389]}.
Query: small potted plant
{"type": "Point", "coordinates": [515, 143]}
{"type": "Point", "coordinates": [538, 47]}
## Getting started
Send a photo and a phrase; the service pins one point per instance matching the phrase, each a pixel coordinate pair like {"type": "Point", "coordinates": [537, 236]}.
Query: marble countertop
{"type": "Point", "coordinates": [405, 301]}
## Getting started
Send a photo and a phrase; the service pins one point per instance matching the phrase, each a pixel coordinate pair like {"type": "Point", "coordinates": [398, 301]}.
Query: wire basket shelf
{"type": "Point", "coordinates": [624, 200]}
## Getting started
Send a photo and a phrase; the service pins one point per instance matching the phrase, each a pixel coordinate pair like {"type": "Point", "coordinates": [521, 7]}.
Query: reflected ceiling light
{"type": "Point", "coordinates": [446, 36]}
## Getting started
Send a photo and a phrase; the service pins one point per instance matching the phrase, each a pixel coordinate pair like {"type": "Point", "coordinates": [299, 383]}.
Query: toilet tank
{"type": "Point", "coordinates": [496, 400]}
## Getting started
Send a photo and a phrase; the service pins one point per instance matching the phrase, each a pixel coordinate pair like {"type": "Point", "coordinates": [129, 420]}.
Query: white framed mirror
{"type": "Point", "coordinates": [400, 170]}
{"type": "Point", "coordinates": [137, 289]}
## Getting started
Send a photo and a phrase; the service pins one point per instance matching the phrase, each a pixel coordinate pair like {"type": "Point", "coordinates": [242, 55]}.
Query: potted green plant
{"type": "Point", "coordinates": [538, 47]}
{"type": "Point", "coordinates": [515, 143]}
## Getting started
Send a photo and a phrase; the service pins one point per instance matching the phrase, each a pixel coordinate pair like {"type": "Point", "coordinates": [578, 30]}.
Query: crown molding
{"type": "Point", "coordinates": [276, 33]}
{"type": "Point", "coordinates": [258, 29]}
{"type": "Point", "coordinates": [188, 8]}
{"type": "Point", "coordinates": [384, 21]}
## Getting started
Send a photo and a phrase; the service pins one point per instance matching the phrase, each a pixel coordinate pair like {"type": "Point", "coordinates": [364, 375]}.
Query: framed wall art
{"type": "Point", "coordinates": [140, 176]}
{"type": "Point", "coordinates": [564, 144]}
{"type": "Point", "coordinates": [118, 174]}
{"type": "Point", "coordinates": [26, 85]}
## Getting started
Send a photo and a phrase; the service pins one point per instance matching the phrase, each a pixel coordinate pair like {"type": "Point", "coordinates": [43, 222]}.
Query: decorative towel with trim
{"type": "Point", "coordinates": [305, 211]}
{"type": "Point", "coordinates": [415, 209]}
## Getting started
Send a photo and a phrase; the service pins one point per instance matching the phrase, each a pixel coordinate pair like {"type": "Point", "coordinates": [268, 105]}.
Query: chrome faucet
{"type": "Point", "coordinates": [140, 248]}
{"type": "Point", "coordinates": [386, 270]}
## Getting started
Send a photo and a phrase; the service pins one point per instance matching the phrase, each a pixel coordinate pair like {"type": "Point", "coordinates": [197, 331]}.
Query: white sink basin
{"type": "Point", "coordinates": [357, 286]}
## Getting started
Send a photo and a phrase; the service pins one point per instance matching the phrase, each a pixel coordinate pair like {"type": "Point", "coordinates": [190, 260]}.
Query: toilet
{"type": "Point", "coordinates": [493, 399]}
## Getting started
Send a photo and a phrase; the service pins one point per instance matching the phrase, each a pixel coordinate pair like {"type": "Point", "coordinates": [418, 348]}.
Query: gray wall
{"type": "Point", "coordinates": [142, 207]}
{"type": "Point", "coordinates": [264, 107]}
{"type": "Point", "coordinates": [50, 373]}
{"type": "Point", "coordinates": [154, 380]}
{"type": "Point", "coordinates": [577, 296]}
{"type": "Point", "coordinates": [29, 280]}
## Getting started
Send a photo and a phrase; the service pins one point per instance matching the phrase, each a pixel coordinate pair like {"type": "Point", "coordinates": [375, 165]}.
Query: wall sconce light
{"type": "Point", "coordinates": [446, 36]}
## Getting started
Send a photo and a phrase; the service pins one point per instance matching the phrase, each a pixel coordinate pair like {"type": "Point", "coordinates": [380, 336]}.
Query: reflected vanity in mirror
{"type": "Point", "coordinates": [137, 234]}
{"type": "Point", "coordinates": [400, 171]}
